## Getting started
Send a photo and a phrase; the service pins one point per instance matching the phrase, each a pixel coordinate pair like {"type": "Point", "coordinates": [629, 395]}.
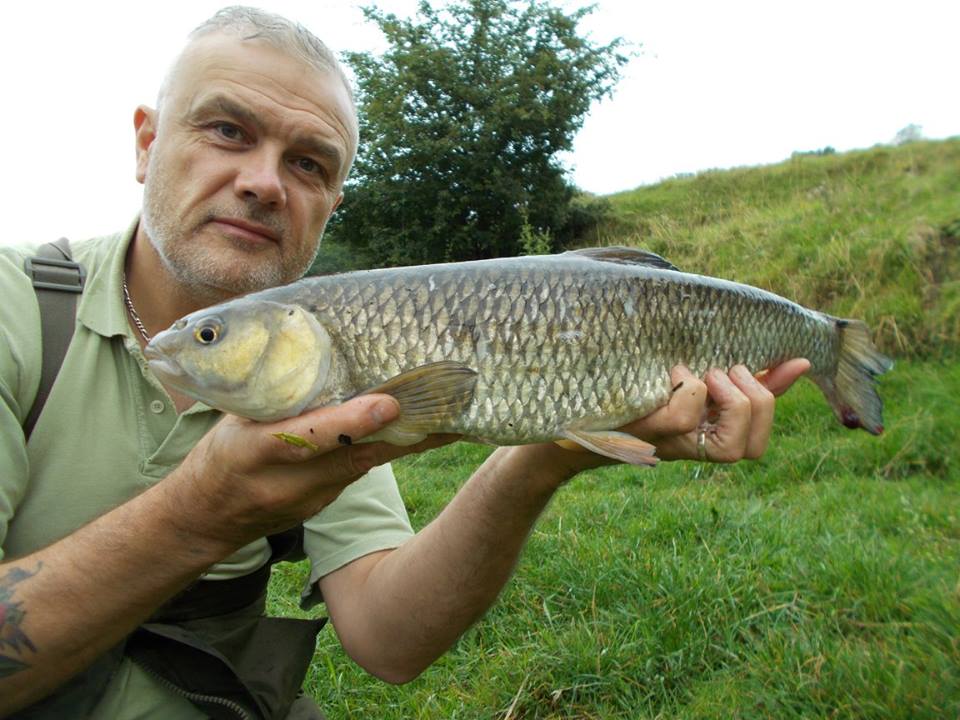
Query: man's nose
{"type": "Point", "coordinates": [259, 178]}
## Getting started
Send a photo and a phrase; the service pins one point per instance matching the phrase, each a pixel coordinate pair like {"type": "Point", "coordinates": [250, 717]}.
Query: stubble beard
{"type": "Point", "coordinates": [202, 271]}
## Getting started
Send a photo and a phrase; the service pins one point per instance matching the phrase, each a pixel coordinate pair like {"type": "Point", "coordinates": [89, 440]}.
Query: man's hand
{"type": "Point", "coordinates": [735, 409]}
{"type": "Point", "coordinates": [244, 480]}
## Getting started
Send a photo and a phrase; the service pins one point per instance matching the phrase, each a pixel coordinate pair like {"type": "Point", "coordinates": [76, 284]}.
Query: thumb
{"type": "Point", "coordinates": [779, 379]}
{"type": "Point", "coordinates": [320, 430]}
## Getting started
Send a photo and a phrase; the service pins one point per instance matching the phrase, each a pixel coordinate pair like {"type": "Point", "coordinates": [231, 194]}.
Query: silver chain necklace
{"type": "Point", "coordinates": [133, 311]}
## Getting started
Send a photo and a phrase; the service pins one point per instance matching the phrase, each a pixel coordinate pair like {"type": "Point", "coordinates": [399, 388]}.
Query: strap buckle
{"type": "Point", "coordinates": [53, 274]}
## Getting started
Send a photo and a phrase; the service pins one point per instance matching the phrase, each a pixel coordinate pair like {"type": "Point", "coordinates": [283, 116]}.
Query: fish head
{"type": "Point", "coordinates": [255, 358]}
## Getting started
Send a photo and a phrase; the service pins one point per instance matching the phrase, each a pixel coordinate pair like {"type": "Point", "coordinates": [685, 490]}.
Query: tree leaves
{"type": "Point", "coordinates": [462, 121]}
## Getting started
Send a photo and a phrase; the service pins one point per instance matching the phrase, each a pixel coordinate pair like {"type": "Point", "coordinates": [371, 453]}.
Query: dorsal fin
{"type": "Point", "coordinates": [626, 256]}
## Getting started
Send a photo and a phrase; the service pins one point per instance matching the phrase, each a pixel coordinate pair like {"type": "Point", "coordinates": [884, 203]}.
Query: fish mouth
{"type": "Point", "coordinates": [173, 376]}
{"type": "Point", "coordinates": [171, 373]}
{"type": "Point", "coordinates": [162, 366]}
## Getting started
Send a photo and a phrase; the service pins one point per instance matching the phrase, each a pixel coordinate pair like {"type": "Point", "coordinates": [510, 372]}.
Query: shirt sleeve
{"type": "Point", "coordinates": [368, 516]}
{"type": "Point", "coordinates": [19, 379]}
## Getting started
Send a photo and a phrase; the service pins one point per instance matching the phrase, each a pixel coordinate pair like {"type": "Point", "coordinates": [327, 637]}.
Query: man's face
{"type": "Point", "coordinates": [242, 164]}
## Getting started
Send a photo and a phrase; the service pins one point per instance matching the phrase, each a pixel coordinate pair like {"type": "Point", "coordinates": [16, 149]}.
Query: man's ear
{"type": "Point", "coordinates": [145, 125]}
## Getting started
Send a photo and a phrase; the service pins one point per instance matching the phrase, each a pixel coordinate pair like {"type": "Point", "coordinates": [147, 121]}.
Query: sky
{"type": "Point", "coordinates": [711, 85]}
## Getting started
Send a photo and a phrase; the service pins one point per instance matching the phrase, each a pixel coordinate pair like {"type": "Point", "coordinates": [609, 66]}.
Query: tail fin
{"type": "Point", "coordinates": [852, 391]}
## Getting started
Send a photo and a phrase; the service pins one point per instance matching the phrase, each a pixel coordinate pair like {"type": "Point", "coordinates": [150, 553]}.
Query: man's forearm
{"type": "Point", "coordinates": [65, 605]}
{"type": "Point", "coordinates": [420, 598]}
{"type": "Point", "coordinates": [397, 611]}
{"type": "Point", "coordinates": [77, 598]}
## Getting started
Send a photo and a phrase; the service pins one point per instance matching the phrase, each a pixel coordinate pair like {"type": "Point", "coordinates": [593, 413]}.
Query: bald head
{"type": "Point", "coordinates": [248, 24]}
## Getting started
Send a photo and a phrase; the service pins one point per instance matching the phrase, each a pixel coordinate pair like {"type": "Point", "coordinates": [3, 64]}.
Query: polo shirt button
{"type": "Point", "coordinates": [157, 406]}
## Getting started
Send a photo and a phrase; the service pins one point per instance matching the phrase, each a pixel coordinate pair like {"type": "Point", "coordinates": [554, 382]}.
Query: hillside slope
{"type": "Point", "coordinates": [873, 234]}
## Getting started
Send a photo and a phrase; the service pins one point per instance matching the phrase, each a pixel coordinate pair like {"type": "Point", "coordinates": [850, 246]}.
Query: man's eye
{"type": "Point", "coordinates": [230, 132]}
{"type": "Point", "coordinates": [308, 165]}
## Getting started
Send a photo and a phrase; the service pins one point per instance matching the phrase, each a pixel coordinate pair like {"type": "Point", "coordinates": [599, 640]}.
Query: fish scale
{"type": "Point", "coordinates": [549, 346]}
{"type": "Point", "coordinates": [505, 333]}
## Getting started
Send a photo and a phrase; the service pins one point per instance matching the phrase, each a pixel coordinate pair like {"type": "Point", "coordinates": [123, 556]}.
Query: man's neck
{"type": "Point", "coordinates": [159, 300]}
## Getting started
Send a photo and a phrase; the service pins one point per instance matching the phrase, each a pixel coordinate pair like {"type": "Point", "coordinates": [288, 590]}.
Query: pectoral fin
{"type": "Point", "coordinates": [429, 396]}
{"type": "Point", "coordinates": [614, 444]}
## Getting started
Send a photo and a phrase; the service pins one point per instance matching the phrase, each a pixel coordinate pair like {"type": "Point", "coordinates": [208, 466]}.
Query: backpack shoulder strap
{"type": "Point", "coordinates": [57, 279]}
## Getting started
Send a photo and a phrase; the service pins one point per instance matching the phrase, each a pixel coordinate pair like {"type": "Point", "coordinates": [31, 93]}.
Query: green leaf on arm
{"type": "Point", "coordinates": [296, 440]}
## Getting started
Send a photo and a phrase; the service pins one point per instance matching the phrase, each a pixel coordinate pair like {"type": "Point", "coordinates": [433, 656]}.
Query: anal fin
{"type": "Point", "coordinates": [614, 444]}
{"type": "Point", "coordinates": [396, 435]}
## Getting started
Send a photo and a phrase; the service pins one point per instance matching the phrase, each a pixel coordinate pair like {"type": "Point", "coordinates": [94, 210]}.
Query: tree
{"type": "Point", "coordinates": [908, 134]}
{"type": "Point", "coordinates": [461, 124]}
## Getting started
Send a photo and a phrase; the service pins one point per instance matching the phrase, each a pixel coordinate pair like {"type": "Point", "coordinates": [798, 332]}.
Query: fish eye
{"type": "Point", "coordinates": [207, 334]}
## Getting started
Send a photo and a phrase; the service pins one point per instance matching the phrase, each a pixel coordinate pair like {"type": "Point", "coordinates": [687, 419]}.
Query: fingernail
{"type": "Point", "coordinates": [385, 411]}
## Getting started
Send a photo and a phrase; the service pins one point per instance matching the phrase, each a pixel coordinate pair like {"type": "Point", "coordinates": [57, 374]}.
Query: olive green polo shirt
{"type": "Point", "coordinates": [109, 430]}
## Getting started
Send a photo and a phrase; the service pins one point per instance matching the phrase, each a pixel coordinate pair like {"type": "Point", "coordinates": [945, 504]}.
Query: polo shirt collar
{"type": "Point", "coordinates": [101, 307]}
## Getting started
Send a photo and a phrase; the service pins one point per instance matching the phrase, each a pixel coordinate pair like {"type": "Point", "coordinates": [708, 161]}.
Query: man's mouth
{"type": "Point", "coordinates": [246, 230]}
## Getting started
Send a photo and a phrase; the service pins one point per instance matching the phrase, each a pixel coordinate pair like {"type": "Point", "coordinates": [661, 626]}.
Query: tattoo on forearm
{"type": "Point", "coordinates": [12, 637]}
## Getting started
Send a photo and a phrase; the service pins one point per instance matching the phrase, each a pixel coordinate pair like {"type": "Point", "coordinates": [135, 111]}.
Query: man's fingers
{"type": "Point", "coordinates": [779, 379]}
{"type": "Point", "coordinates": [349, 453]}
{"type": "Point", "coordinates": [326, 429]}
{"type": "Point", "coordinates": [762, 405]}
{"type": "Point", "coordinates": [729, 434]}
{"type": "Point", "coordinates": [683, 412]}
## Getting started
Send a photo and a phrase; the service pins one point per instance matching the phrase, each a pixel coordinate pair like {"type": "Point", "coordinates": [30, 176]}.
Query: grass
{"type": "Point", "coordinates": [872, 234]}
{"type": "Point", "coordinates": [822, 581]}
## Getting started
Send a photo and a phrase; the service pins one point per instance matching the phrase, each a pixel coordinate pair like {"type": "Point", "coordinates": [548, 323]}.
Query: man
{"type": "Point", "coordinates": [128, 492]}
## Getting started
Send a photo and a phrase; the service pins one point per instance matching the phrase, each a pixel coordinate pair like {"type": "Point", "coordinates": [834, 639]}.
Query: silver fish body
{"type": "Point", "coordinates": [539, 348]}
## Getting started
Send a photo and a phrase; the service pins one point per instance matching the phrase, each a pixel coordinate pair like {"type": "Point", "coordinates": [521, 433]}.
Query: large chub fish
{"type": "Point", "coordinates": [508, 351]}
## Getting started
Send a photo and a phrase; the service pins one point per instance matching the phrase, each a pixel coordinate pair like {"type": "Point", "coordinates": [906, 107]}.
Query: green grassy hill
{"type": "Point", "coordinates": [820, 581]}
{"type": "Point", "coordinates": [873, 234]}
